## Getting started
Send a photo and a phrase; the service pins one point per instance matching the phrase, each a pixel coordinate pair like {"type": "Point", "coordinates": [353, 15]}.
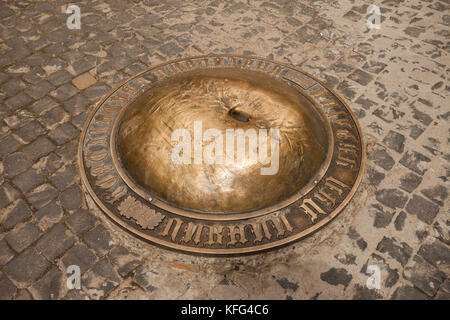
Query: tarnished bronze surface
{"type": "Point", "coordinates": [145, 146]}
{"type": "Point", "coordinates": [212, 206]}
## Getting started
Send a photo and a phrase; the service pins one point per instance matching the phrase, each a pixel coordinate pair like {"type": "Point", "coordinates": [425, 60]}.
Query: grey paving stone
{"type": "Point", "coordinates": [421, 117]}
{"type": "Point", "coordinates": [38, 148]}
{"type": "Point", "coordinates": [23, 294]}
{"type": "Point", "coordinates": [50, 286]}
{"type": "Point", "coordinates": [336, 276]}
{"type": "Point", "coordinates": [13, 87]}
{"type": "Point", "coordinates": [400, 251]}
{"type": "Point", "coordinates": [26, 267]}
{"type": "Point", "coordinates": [445, 286]}
{"type": "Point", "coordinates": [425, 210]}
{"type": "Point", "coordinates": [104, 273]}
{"type": "Point", "coordinates": [68, 151]}
{"type": "Point", "coordinates": [63, 133]}
{"type": "Point", "coordinates": [438, 194]}
{"type": "Point", "coordinates": [6, 254]}
{"type": "Point", "coordinates": [408, 293]}
{"type": "Point", "coordinates": [99, 239]}
{"type": "Point", "coordinates": [375, 176]}
{"type": "Point", "coordinates": [364, 293]}
{"type": "Point", "coordinates": [382, 217]}
{"type": "Point", "coordinates": [390, 276]}
{"type": "Point", "coordinates": [77, 104]}
{"type": "Point", "coordinates": [30, 131]}
{"type": "Point", "coordinates": [16, 163]}
{"type": "Point", "coordinates": [435, 252]}
{"type": "Point", "coordinates": [48, 215]}
{"type": "Point", "coordinates": [71, 198]}
{"type": "Point", "coordinates": [53, 118]}
{"type": "Point", "coordinates": [141, 278]}
{"type": "Point", "coordinates": [65, 176]}
{"type": "Point", "coordinates": [16, 213]}
{"type": "Point", "coordinates": [22, 236]}
{"type": "Point", "coordinates": [39, 90]}
{"type": "Point", "coordinates": [55, 242]}
{"type": "Point", "coordinates": [81, 66]}
{"type": "Point", "coordinates": [124, 260]}
{"type": "Point", "coordinates": [60, 77]}
{"type": "Point", "coordinates": [410, 181]}
{"type": "Point", "coordinates": [41, 195]}
{"type": "Point", "coordinates": [8, 194]}
{"type": "Point", "coordinates": [395, 141]}
{"type": "Point", "coordinates": [18, 101]}
{"type": "Point", "coordinates": [381, 157]}
{"type": "Point", "coordinates": [48, 164]}
{"type": "Point", "coordinates": [415, 161]}
{"type": "Point", "coordinates": [81, 221]}
{"type": "Point", "coordinates": [400, 221]}
{"type": "Point", "coordinates": [7, 288]}
{"type": "Point", "coordinates": [79, 255]}
{"type": "Point", "coordinates": [361, 77]}
{"type": "Point", "coordinates": [374, 66]}
{"type": "Point", "coordinates": [424, 276]}
{"type": "Point", "coordinates": [8, 145]}
{"type": "Point", "coordinates": [98, 90]}
{"type": "Point", "coordinates": [64, 92]}
{"type": "Point", "coordinates": [28, 180]}
{"type": "Point", "coordinates": [170, 49]}
{"type": "Point", "coordinates": [392, 198]}
{"type": "Point", "coordinates": [43, 105]}
{"type": "Point", "coordinates": [442, 295]}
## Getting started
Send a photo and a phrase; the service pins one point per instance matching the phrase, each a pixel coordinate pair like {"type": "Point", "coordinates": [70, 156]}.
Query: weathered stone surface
{"type": "Point", "coordinates": [55, 242]}
{"type": "Point", "coordinates": [50, 286]}
{"type": "Point", "coordinates": [41, 195]}
{"type": "Point", "coordinates": [99, 239]}
{"type": "Point", "coordinates": [424, 210]}
{"type": "Point", "coordinates": [40, 147]}
{"type": "Point", "coordinates": [8, 145]}
{"type": "Point", "coordinates": [415, 161]}
{"type": "Point", "coordinates": [84, 81]}
{"type": "Point", "coordinates": [8, 194]}
{"type": "Point", "coordinates": [424, 276]}
{"type": "Point", "coordinates": [71, 198]}
{"type": "Point", "coordinates": [436, 252]}
{"type": "Point", "coordinates": [79, 255]}
{"type": "Point", "coordinates": [16, 213]}
{"type": "Point", "coordinates": [6, 254]}
{"type": "Point", "coordinates": [410, 181]}
{"type": "Point", "coordinates": [336, 277]}
{"type": "Point", "coordinates": [7, 288]}
{"type": "Point", "coordinates": [124, 260]}
{"type": "Point", "coordinates": [22, 236]}
{"type": "Point", "coordinates": [16, 163]}
{"type": "Point", "coordinates": [392, 198]}
{"type": "Point", "coordinates": [408, 293]}
{"type": "Point", "coordinates": [400, 251]}
{"type": "Point", "coordinates": [26, 267]}
{"type": "Point", "coordinates": [438, 194]}
{"type": "Point", "coordinates": [381, 157]}
{"type": "Point", "coordinates": [49, 215]}
{"type": "Point", "coordinates": [101, 279]}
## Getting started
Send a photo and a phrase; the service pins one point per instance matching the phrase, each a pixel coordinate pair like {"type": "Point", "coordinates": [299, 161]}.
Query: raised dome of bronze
{"type": "Point", "coordinates": [222, 100]}
{"type": "Point", "coordinates": [221, 154]}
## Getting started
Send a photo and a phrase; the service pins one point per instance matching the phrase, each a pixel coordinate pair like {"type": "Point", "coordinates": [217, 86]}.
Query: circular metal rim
{"type": "Point", "coordinates": [231, 251]}
{"type": "Point", "coordinates": [219, 216]}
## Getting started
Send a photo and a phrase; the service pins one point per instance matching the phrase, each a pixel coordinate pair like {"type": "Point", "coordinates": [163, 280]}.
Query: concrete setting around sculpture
{"type": "Point", "coordinates": [395, 79]}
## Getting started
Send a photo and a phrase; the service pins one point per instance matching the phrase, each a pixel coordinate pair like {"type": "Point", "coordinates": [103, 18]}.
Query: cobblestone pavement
{"type": "Point", "coordinates": [396, 79]}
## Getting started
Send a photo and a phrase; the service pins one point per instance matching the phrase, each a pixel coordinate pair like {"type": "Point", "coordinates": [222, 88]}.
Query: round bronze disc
{"type": "Point", "coordinates": [221, 154]}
